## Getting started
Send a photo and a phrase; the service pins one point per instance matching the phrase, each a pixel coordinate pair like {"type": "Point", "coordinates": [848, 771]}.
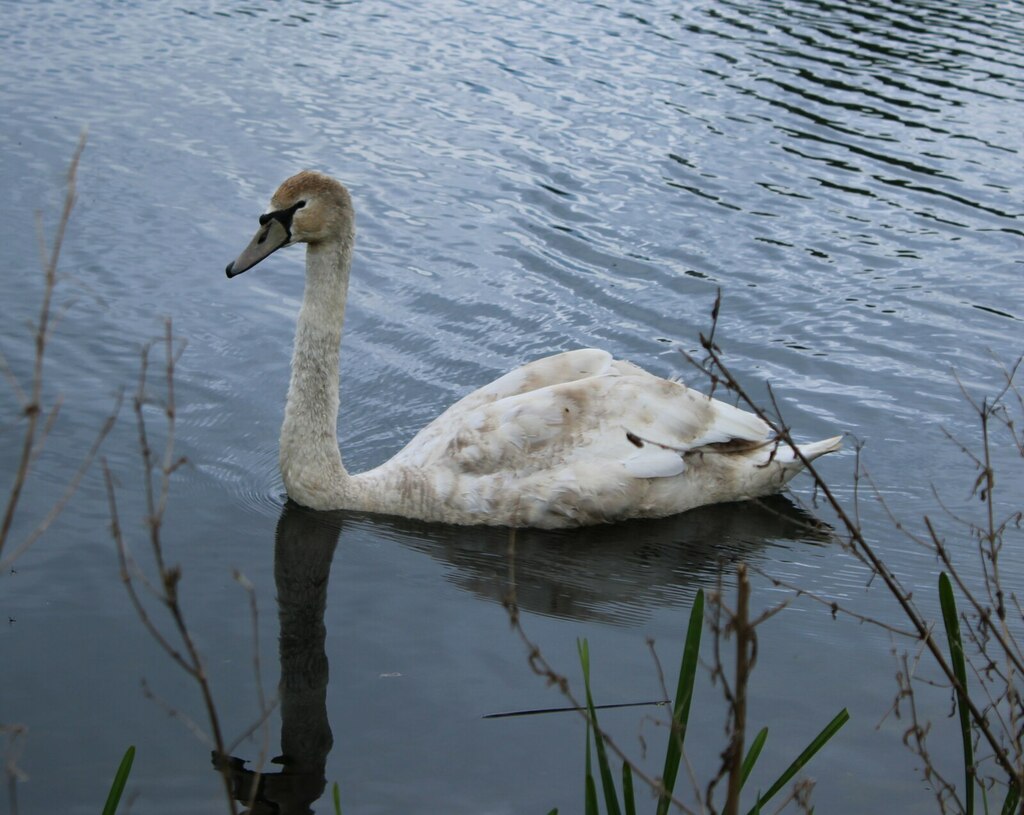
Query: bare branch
{"type": "Point", "coordinates": [156, 489]}
{"type": "Point", "coordinates": [715, 368]}
{"type": "Point", "coordinates": [32, 401]}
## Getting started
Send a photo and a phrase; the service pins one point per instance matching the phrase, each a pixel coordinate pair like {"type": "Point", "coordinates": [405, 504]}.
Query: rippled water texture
{"type": "Point", "coordinates": [528, 178]}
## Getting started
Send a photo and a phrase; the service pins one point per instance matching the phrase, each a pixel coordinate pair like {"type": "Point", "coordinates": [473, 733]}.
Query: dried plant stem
{"type": "Point", "coordinates": [69, 490]}
{"type": "Point", "coordinates": [744, 662]}
{"type": "Point", "coordinates": [33, 408]}
{"type": "Point", "coordinates": [992, 626]}
{"type": "Point", "coordinates": [157, 490]}
{"type": "Point", "coordinates": [39, 420]}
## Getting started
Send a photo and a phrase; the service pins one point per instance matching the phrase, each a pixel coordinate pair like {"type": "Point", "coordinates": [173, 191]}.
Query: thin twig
{"type": "Point", "coordinates": [746, 650]}
{"type": "Point", "coordinates": [32, 404]}
{"type": "Point", "coordinates": [156, 494]}
{"type": "Point", "coordinates": [718, 372]}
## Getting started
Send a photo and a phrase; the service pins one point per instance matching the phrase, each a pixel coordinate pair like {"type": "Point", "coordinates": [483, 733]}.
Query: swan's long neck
{"type": "Point", "coordinates": [310, 458]}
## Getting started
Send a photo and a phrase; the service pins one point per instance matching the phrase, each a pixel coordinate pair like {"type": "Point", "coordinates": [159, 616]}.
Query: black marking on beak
{"type": "Point", "coordinates": [274, 226]}
{"type": "Point", "coordinates": [283, 217]}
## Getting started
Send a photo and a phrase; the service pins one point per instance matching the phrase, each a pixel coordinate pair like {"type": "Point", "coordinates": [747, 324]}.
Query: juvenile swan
{"type": "Point", "coordinates": [558, 442]}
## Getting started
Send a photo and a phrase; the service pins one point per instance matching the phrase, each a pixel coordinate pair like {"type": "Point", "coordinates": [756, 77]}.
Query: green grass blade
{"type": "Point", "coordinates": [591, 794]}
{"type": "Point", "coordinates": [120, 779]}
{"type": "Point", "coordinates": [588, 779]}
{"type": "Point", "coordinates": [816, 744]}
{"type": "Point", "coordinates": [752, 754]}
{"type": "Point", "coordinates": [1012, 799]}
{"type": "Point", "coordinates": [956, 656]}
{"type": "Point", "coordinates": [611, 798]}
{"type": "Point", "coordinates": [554, 811]}
{"type": "Point", "coordinates": [336, 796]}
{"type": "Point", "coordinates": [628, 799]}
{"type": "Point", "coordinates": [588, 775]}
{"type": "Point", "coordinates": [589, 789]}
{"type": "Point", "coordinates": [684, 695]}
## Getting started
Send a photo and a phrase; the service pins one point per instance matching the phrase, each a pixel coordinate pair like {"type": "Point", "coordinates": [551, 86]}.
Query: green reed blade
{"type": "Point", "coordinates": [591, 795]}
{"type": "Point", "coordinates": [816, 744]}
{"type": "Point", "coordinates": [588, 778]}
{"type": "Point", "coordinates": [684, 695]}
{"type": "Point", "coordinates": [336, 795]}
{"type": "Point", "coordinates": [120, 779]}
{"type": "Point", "coordinates": [611, 799]}
{"type": "Point", "coordinates": [956, 656]}
{"type": "Point", "coordinates": [588, 775]}
{"type": "Point", "coordinates": [628, 799]}
{"type": "Point", "coordinates": [1012, 799]}
{"type": "Point", "coordinates": [752, 754]}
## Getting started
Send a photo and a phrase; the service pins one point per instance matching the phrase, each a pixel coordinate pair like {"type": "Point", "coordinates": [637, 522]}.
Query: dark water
{"type": "Point", "coordinates": [529, 178]}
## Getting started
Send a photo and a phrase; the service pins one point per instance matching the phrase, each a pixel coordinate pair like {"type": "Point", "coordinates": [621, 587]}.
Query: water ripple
{"type": "Point", "coordinates": [529, 177]}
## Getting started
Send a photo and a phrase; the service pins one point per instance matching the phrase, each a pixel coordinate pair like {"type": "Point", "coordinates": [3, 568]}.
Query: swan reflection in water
{"type": "Point", "coordinates": [303, 551]}
{"type": "Point", "coordinates": [613, 574]}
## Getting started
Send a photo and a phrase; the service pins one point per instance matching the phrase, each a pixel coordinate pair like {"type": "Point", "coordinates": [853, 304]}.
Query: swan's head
{"type": "Point", "coordinates": [308, 208]}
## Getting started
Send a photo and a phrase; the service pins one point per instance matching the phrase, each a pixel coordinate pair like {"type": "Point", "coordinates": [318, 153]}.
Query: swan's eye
{"type": "Point", "coordinates": [300, 205]}
{"type": "Point", "coordinates": [266, 217]}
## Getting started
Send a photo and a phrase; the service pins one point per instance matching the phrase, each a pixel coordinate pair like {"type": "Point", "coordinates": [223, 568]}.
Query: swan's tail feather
{"type": "Point", "coordinates": [810, 451]}
{"type": "Point", "coordinates": [819, 448]}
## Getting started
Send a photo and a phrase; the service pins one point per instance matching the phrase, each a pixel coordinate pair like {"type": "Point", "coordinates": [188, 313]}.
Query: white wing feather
{"type": "Point", "coordinates": [576, 408]}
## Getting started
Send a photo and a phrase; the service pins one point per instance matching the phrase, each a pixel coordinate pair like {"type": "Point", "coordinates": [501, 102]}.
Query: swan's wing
{"type": "Point", "coordinates": [582, 420]}
{"type": "Point", "coordinates": [569, 366]}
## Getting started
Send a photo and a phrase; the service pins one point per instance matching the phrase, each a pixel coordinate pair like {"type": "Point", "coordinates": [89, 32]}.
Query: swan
{"type": "Point", "coordinates": [568, 440]}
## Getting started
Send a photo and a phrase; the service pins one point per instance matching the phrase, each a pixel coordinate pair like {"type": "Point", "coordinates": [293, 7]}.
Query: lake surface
{"type": "Point", "coordinates": [528, 178]}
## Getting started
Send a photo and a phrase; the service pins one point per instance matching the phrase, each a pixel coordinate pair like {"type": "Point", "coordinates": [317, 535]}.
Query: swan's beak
{"type": "Point", "coordinates": [271, 236]}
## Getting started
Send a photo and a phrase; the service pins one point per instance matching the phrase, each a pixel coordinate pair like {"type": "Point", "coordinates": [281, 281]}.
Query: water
{"type": "Point", "coordinates": [528, 178]}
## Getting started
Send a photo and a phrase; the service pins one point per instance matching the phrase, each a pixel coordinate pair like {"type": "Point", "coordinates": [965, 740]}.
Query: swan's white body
{"type": "Point", "coordinates": [571, 439]}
